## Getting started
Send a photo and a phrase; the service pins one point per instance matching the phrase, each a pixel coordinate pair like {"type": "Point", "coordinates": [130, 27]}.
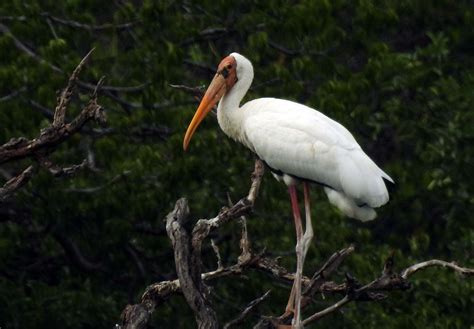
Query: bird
{"type": "Point", "coordinates": [299, 145]}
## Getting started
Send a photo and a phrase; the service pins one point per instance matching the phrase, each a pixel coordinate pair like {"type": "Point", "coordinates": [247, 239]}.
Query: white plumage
{"type": "Point", "coordinates": [301, 142]}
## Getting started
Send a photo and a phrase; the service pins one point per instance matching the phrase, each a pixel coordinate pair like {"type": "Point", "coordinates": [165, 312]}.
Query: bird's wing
{"type": "Point", "coordinates": [303, 142]}
{"type": "Point", "coordinates": [290, 115]}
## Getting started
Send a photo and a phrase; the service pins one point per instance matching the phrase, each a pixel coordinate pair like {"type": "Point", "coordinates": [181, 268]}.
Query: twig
{"type": "Point", "coordinates": [58, 132]}
{"type": "Point", "coordinates": [204, 67]}
{"type": "Point", "coordinates": [75, 254]}
{"type": "Point", "coordinates": [160, 292]}
{"type": "Point", "coordinates": [4, 29]}
{"type": "Point", "coordinates": [436, 262]}
{"type": "Point", "coordinates": [75, 24]}
{"type": "Point", "coordinates": [326, 311]}
{"type": "Point", "coordinates": [13, 18]}
{"type": "Point", "coordinates": [58, 171]}
{"type": "Point", "coordinates": [257, 175]}
{"type": "Point", "coordinates": [140, 267]}
{"type": "Point", "coordinates": [388, 281]}
{"type": "Point", "coordinates": [118, 89]}
{"type": "Point", "coordinates": [204, 226]}
{"type": "Point", "coordinates": [326, 270]}
{"type": "Point", "coordinates": [95, 189]}
{"type": "Point", "coordinates": [250, 307]}
{"type": "Point", "coordinates": [283, 49]}
{"type": "Point", "coordinates": [197, 92]}
{"type": "Point", "coordinates": [51, 136]}
{"type": "Point", "coordinates": [43, 109]}
{"type": "Point", "coordinates": [65, 97]}
{"type": "Point", "coordinates": [246, 252]}
{"type": "Point", "coordinates": [218, 254]}
{"type": "Point", "coordinates": [15, 183]}
{"type": "Point", "coordinates": [51, 27]}
{"type": "Point", "coordinates": [12, 95]}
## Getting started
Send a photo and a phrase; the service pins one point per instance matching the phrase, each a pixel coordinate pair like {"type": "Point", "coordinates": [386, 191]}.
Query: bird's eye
{"type": "Point", "coordinates": [229, 66]}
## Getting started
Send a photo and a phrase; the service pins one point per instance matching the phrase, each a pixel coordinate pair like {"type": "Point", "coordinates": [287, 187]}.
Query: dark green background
{"type": "Point", "coordinates": [398, 74]}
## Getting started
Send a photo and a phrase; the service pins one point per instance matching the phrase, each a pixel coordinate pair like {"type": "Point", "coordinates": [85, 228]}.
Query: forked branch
{"type": "Point", "coordinates": [39, 148]}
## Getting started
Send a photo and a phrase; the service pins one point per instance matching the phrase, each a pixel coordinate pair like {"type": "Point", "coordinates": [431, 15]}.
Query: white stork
{"type": "Point", "coordinates": [298, 144]}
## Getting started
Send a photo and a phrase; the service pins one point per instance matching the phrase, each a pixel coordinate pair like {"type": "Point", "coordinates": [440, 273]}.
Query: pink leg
{"type": "Point", "coordinates": [308, 233]}
{"type": "Point", "coordinates": [302, 246]}
{"type": "Point", "coordinates": [296, 290]}
{"type": "Point", "coordinates": [290, 306]}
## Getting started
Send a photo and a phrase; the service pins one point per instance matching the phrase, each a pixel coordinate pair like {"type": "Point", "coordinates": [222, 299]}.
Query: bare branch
{"type": "Point", "coordinates": [246, 252]}
{"type": "Point", "coordinates": [4, 29]}
{"type": "Point", "coordinates": [15, 183]}
{"type": "Point", "coordinates": [197, 92]}
{"type": "Point", "coordinates": [21, 46]}
{"type": "Point", "coordinates": [187, 250]}
{"type": "Point", "coordinates": [215, 247]}
{"type": "Point", "coordinates": [118, 89]}
{"type": "Point", "coordinates": [191, 282]}
{"type": "Point", "coordinates": [436, 262]}
{"type": "Point", "coordinates": [89, 27]}
{"type": "Point", "coordinates": [58, 171]}
{"type": "Point", "coordinates": [256, 178]}
{"type": "Point", "coordinates": [386, 282]}
{"type": "Point", "coordinates": [65, 96]}
{"type": "Point", "coordinates": [188, 267]}
{"type": "Point", "coordinates": [43, 109]}
{"type": "Point", "coordinates": [58, 132]}
{"type": "Point", "coordinates": [12, 95]}
{"type": "Point", "coordinates": [13, 18]}
{"type": "Point", "coordinates": [204, 226]}
{"type": "Point", "coordinates": [201, 66]}
{"type": "Point", "coordinates": [160, 292]}
{"type": "Point", "coordinates": [52, 136]}
{"type": "Point", "coordinates": [283, 49]}
{"type": "Point", "coordinates": [135, 316]}
{"type": "Point", "coordinates": [250, 307]}
{"type": "Point", "coordinates": [133, 253]}
{"type": "Point", "coordinates": [326, 311]}
{"type": "Point", "coordinates": [76, 255]}
{"type": "Point", "coordinates": [95, 189]}
{"type": "Point", "coordinates": [322, 275]}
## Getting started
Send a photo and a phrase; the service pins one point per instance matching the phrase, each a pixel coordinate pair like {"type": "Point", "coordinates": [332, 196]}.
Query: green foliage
{"type": "Point", "coordinates": [398, 74]}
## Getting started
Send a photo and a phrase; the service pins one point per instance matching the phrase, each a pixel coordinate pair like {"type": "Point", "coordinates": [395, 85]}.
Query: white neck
{"type": "Point", "coordinates": [229, 114]}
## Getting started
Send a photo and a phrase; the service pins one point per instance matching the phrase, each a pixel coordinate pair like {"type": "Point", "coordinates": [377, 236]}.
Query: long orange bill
{"type": "Point", "coordinates": [213, 94]}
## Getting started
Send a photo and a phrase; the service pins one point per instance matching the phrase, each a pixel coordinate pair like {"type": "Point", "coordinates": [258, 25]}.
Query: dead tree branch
{"type": "Point", "coordinates": [250, 307]}
{"type": "Point", "coordinates": [49, 138]}
{"type": "Point", "coordinates": [86, 85]}
{"type": "Point", "coordinates": [188, 267]}
{"type": "Point", "coordinates": [19, 148]}
{"type": "Point", "coordinates": [12, 95]}
{"type": "Point", "coordinates": [88, 27]}
{"type": "Point", "coordinates": [187, 249]}
{"type": "Point", "coordinates": [65, 97]}
{"type": "Point", "coordinates": [389, 280]}
{"type": "Point", "coordinates": [196, 92]}
{"type": "Point", "coordinates": [436, 262]}
{"type": "Point", "coordinates": [191, 282]}
{"type": "Point", "coordinates": [15, 183]}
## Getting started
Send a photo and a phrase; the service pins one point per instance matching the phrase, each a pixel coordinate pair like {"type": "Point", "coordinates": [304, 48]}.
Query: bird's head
{"type": "Point", "coordinates": [224, 80]}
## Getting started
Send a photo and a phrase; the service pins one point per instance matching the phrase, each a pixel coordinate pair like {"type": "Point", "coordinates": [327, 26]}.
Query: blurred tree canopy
{"type": "Point", "coordinates": [398, 74]}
